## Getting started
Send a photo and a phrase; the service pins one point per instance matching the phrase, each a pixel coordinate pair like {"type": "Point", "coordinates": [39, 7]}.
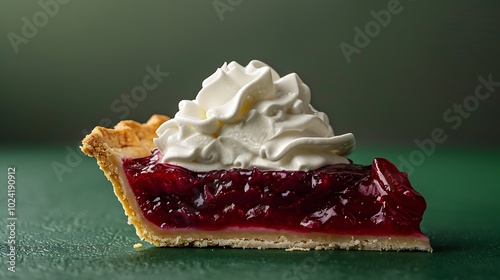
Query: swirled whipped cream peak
{"type": "Point", "coordinates": [246, 117]}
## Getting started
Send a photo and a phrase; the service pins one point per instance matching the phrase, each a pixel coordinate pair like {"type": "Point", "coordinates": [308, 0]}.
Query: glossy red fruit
{"type": "Point", "coordinates": [341, 198]}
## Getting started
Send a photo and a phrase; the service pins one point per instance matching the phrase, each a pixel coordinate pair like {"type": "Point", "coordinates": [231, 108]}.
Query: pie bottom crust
{"type": "Point", "coordinates": [130, 139]}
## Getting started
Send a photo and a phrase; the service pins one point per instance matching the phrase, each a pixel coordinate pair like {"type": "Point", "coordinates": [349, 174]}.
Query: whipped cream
{"type": "Point", "coordinates": [245, 117]}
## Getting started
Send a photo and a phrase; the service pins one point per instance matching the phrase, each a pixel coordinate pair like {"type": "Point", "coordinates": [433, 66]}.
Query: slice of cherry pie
{"type": "Point", "coordinates": [342, 206]}
{"type": "Point", "coordinates": [252, 165]}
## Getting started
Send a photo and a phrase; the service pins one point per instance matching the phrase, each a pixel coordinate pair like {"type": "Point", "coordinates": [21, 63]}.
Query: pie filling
{"type": "Point", "coordinates": [339, 199]}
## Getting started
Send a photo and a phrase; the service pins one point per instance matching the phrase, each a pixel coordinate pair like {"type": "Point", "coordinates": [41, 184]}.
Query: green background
{"type": "Point", "coordinates": [395, 90]}
{"type": "Point", "coordinates": [393, 93]}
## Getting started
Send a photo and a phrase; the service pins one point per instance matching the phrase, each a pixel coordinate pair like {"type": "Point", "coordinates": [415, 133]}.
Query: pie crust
{"type": "Point", "coordinates": [130, 139]}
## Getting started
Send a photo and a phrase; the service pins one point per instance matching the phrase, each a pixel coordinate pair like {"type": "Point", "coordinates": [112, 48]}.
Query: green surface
{"type": "Point", "coordinates": [76, 229]}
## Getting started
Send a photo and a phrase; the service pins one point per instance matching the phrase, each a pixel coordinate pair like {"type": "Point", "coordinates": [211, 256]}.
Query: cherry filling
{"type": "Point", "coordinates": [341, 198]}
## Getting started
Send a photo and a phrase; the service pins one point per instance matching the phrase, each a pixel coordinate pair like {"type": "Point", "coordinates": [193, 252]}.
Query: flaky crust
{"type": "Point", "coordinates": [130, 139]}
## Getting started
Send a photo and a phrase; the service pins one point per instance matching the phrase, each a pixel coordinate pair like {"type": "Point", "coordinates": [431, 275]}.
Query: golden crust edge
{"type": "Point", "coordinates": [284, 239]}
{"type": "Point", "coordinates": [110, 146]}
{"type": "Point", "coordinates": [134, 140]}
{"type": "Point", "coordinates": [127, 139]}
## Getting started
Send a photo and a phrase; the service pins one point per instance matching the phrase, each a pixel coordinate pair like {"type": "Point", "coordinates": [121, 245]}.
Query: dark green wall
{"type": "Point", "coordinates": [396, 89]}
